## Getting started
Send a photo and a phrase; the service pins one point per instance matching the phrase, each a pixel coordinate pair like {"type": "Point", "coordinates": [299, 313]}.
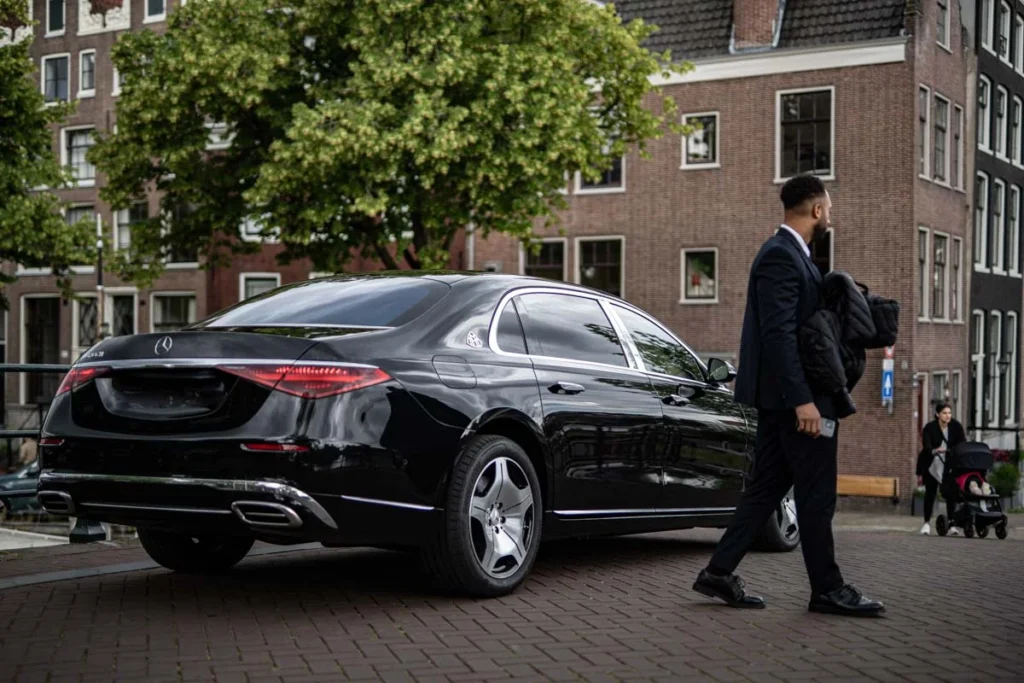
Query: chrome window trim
{"type": "Point", "coordinates": [670, 333]}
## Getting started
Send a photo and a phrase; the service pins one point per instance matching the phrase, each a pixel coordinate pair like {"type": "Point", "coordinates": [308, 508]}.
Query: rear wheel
{"type": "Point", "coordinates": [982, 531]}
{"type": "Point", "coordinates": [941, 525]}
{"type": "Point", "coordinates": [1001, 530]}
{"type": "Point", "coordinates": [781, 534]}
{"type": "Point", "coordinates": [488, 541]}
{"type": "Point", "coordinates": [204, 554]}
{"type": "Point", "coordinates": [969, 529]}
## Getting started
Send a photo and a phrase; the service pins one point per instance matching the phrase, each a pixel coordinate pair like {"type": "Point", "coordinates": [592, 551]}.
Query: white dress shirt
{"type": "Point", "coordinates": [797, 237]}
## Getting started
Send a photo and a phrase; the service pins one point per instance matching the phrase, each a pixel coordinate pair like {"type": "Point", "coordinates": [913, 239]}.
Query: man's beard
{"type": "Point", "coordinates": [820, 230]}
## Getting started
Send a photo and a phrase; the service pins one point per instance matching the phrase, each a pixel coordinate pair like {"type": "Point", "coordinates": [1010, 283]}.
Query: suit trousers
{"type": "Point", "coordinates": [784, 458]}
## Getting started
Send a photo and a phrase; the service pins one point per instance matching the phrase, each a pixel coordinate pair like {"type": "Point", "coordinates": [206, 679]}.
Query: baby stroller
{"type": "Point", "coordinates": [974, 511]}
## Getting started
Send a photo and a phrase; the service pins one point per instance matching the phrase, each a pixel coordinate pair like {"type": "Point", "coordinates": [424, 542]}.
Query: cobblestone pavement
{"type": "Point", "coordinates": [600, 610]}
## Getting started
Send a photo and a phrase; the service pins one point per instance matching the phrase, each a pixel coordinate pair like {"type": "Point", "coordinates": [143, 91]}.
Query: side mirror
{"type": "Point", "coordinates": [720, 371]}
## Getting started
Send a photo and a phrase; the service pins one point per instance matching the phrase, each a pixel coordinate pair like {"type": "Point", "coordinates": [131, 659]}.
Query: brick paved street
{"type": "Point", "coordinates": [613, 609]}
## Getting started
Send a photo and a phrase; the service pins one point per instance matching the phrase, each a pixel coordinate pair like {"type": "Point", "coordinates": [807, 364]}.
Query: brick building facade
{"type": "Point", "coordinates": [824, 91]}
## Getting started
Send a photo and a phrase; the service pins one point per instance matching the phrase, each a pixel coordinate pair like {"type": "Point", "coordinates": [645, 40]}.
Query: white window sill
{"type": "Point", "coordinates": [54, 103]}
{"type": "Point", "coordinates": [182, 266]}
{"type": "Point", "coordinates": [998, 271]}
{"type": "Point", "coordinates": [823, 178]}
{"type": "Point", "coordinates": [1002, 157]}
{"type": "Point", "coordinates": [156, 18]}
{"type": "Point", "coordinates": [86, 94]}
{"type": "Point", "coordinates": [1006, 61]}
{"type": "Point", "coordinates": [700, 167]}
{"type": "Point", "coordinates": [984, 148]}
{"type": "Point", "coordinates": [942, 183]}
{"type": "Point", "coordinates": [944, 47]}
{"type": "Point", "coordinates": [1014, 273]}
{"type": "Point", "coordinates": [988, 48]}
{"type": "Point", "coordinates": [600, 190]}
{"type": "Point", "coordinates": [925, 177]}
{"type": "Point", "coordinates": [923, 320]}
{"type": "Point", "coordinates": [55, 34]}
{"type": "Point", "coordinates": [82, 183]}
{"type": "Point", "coordinates": [942, 321]}
{"type": "Point", "coordinates": [698, 302]}
{"type": "Point", "coordinates": [981, 269]}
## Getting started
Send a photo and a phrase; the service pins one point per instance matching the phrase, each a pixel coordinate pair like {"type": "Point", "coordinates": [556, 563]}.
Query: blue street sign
{"type": "Point", "coordinates": [887, 385]}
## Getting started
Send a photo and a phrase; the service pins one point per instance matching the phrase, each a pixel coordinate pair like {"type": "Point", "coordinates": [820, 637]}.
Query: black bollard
{"type": "Point", "coordinates": [87, 531]}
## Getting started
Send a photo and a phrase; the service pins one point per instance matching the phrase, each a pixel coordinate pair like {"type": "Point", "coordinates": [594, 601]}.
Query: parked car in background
{"type": "Point", "coordinates": [462, 416]}
{"type": "Point", "coordinates": [17, 492]}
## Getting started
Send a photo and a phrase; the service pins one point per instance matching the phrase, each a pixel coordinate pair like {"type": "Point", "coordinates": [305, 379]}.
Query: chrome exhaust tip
{"type": "Point", "coordinates": [257, 513]}
{"type": "Point", "coordinates": [56, 502]}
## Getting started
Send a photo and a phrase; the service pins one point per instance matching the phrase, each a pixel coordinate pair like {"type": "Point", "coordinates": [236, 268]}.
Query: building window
{"type": "Point", "coordinates": [612, 179]}
{"type": "Point", "coordinates": [254, 284]}
{"type": "Point", "coordinates": [118, 81]}
{"type": "Point", "coordinates": [1013, 218]}
{"type": "Point", "coordinates": [55, 78]}
{"type": "Point", "coordinates": [957, 150]}
{"type": "Point", "coordinates": [87, 73]}
{"type": "Point", "coordinates": [821, 253]}
{"type": "Point", "coordinates": [986, 23]}
{"type": "Point", "coordinates": [805, 133]}
{"type": "Point", "coordinates": [700, 276]}
{"type": "Point", "coordinates": [55, 17]}
{"type": "Point", "coordinates": [922, 272]}
{"type": "Point", "coordinates": [984, 114]}
{"type": "Point", "coordinates": [77, 142]}
{"type": "Point", "coordinates": [922, 131]}
{"type": "Point", "coordinates": [80, 212]}
{"type": "Point", "coordinates": [999, 141]}
{"type": "Point", "coordinates": [600, 263]}
{"type": "Point", "coordinates": [954, 395]}
{"type": "Point", "coordinates": [1014, 143]}
{"type": "Point", "coordinates": [1009, 380]}
{"type": "Point", "coordinates": [994, 389]}
{"type": "Point", "coordinates": [978, 367]}
{"type": "Point", "coordinates": [1018, 44]}
{"type": "Point", "coordinates": [1003, 40]}
{"type": "Point", "coordinates": [700, 148]}
{"type": "Point", "coordinates": [997, 227]}
{"type": "Point", "coordinates": [942, 23]}
{"type": "Point", "coordinates": [940, 246]}
{"type": "Point", "coordinates": [126, 219]}
{"type": "Point", "coordinates": [549, 262]}
{"type": "Point", "coordinates": [40, 343]}
{"type": "Point", "coordinates": [939, 168]}
{"type": "Point", "coordinates": [980, 220]}
{"type": "Point", "coordinates": [156, 10]}
{"type": "Point", "coordinates": [955, 279]}
{"type": "Point", "coordinates": [940, 388]}
{"type": "Point", "coordinates": [173, 311]}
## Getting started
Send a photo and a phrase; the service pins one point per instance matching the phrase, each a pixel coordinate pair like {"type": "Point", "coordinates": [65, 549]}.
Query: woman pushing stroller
{"type": "Point", "coordinates": [940, 436]}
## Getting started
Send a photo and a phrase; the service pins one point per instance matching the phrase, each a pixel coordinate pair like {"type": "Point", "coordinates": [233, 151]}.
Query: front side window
{"type": "Point", "coordinates": [700, 275]}
{"type": "Point", "coordinates": [701, 146]}
{"type": "Point", "coordinates": [600, 265]}
{"type": "Point", "coordinates": [548, 262]}
{"type": "Point", "coordinates": [573, 327]}
{"type": "Point", "coordinates": [805, 138]}
{"type": "Point", "coordinates": [55, 78]}
{"type": "Point", "coordinates": [660, 352]}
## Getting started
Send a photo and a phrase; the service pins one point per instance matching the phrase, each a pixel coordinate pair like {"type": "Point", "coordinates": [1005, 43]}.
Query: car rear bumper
{"type": "Point", "coordinates": [269, 510]}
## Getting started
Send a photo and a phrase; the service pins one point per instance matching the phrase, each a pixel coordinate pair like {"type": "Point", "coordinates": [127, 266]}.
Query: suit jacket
{"type": "Point", "coordinates": [931, 438]}
{"type": "Point", "coordinates": [782, 293]}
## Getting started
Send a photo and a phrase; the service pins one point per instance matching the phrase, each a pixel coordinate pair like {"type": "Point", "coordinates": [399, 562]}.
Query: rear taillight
{"type": "Point", "coordinates": [76, 377]}
{"type": "Point", "coordinates": [51, 441]}
{"type": "Point", "coordinates": [310, 381]}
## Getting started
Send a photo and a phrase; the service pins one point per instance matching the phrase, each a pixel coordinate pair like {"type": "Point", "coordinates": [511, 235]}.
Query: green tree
{"type": "Point", "coordinates": [375, 126]}
{"type": "Point", "coordinates": [33, 231]}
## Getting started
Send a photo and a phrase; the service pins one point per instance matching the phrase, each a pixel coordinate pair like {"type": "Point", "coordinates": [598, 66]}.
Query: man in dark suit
{"type": "Point", "coordinates": [790, 450]}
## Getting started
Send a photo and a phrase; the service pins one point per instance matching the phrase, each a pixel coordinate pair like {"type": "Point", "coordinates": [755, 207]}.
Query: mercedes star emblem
{"type": "Point", "coordinates": [163, 346]}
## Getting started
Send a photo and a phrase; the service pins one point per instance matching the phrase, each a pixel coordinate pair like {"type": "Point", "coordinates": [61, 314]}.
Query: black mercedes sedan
{"type": "Point", "coordinates": [463, 416]}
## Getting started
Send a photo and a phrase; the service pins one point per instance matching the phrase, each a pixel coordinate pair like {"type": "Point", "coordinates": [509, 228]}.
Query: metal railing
{"type": "Point", "coordinates": [84, 531]}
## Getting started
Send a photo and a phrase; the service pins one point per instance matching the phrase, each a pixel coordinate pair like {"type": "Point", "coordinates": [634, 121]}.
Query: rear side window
{"type": "Point", "coordinates": [510, 331]}
{"type": "Point", "coordinates": [571, 327]}
{"type": "Point", "coordinates": [363, 302]}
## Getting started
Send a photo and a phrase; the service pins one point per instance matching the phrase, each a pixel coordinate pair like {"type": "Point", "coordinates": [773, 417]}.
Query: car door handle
{"type": "Point", "coordinates": [675, 400]}
{"type": "Point", "coordinates": [566, 388]}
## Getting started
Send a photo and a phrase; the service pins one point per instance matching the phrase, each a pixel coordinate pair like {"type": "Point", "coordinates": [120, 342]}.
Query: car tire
{"type": "Point", "coordinates": [5, 510]}
{"type": "Point", "coordinates": [194, 554]}
{"type": "Point", "coordinates": [490, 533]}
{"type": "Point", "coordinates": [781, 533]}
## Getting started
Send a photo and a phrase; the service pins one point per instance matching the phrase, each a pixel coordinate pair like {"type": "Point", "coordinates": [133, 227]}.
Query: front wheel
{"type": "Point", "coordinates": [491, 531]}
{"type": "Point", "coordinates": [1001, 531]}
{"type": "Point", "coordinates": [202, 554]}
{"type": "Point", "coordinates": [781, 534]}
{"type": "Point", "coordinates": [941, 525]}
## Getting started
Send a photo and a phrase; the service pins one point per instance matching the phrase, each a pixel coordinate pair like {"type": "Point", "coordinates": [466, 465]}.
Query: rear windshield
{"type": "Point", "coordinates": [363, 302]}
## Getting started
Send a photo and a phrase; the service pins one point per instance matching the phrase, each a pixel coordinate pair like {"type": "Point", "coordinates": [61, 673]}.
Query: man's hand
{"type": "Point", "coordinates": [808, 420]}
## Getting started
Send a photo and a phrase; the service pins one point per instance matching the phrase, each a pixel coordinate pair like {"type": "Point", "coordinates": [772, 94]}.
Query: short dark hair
{"type": "Point", "coordinates": [942, 405]}
{"type": "Point", "coordinates": [799, 189]}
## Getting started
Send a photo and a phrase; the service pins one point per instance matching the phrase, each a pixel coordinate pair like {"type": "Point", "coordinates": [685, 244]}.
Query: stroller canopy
{"type": "Point", "coordinates": [970, 455]}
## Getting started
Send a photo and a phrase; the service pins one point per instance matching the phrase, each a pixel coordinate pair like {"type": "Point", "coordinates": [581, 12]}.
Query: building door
{"type": "Point", "coordinates": [41, 344]}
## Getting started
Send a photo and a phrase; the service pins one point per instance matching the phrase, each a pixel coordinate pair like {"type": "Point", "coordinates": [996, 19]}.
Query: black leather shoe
{"type": "Point", "coordinates": [847, 601]}
{"type": "Point", "coordinates": [728, 588]}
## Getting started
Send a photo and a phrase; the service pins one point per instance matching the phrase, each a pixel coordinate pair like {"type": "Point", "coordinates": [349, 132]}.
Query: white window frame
{"type": "Point", "coordinates": [980, 259]}
{"type": "Point", "coordinates": [946, 318]}
{"type": "Point", "coordinates": [683, 299]}
{"type": "Point", "coordinates": [578, 277]}
{"type": "Point", "coordinates": [108, 313]}
{"type": "Point", "coordinates": [686, 165]}
{"type": "Point", "coordinates": [242, 277]}
{"type": "Point", "coordinates": [998, 261]}
{"type": "Point", "coordinates": [957, 173]}
{"type": "Point", "coordinates": [1003, 131]}
{"type": "Point", "coordinates": [42, 73]}
{"type": "Point", "coordinates": [945, 45]}
{"type": "Point", "coordinates": [957, 245]}
{"type": "Point", "coordinates": [924, 165]}
{"type": "Point", "coordinates": [984, 121]}
{"type": "Point", "coordinates": [87, 92]}
{"type": "Point", "coordinates": [1016, 121]}
{"type": "Point", "coordinates": [978, 361]}
{"type": "Point", "coordinates": [547, 240]}
{"type": "Point", "coordinates": [987, 28]}
{"type": "Point", "coordinates": [165, 218]}
{"type": "Point", "coordinates": [115, 86]}
{"type": "Point", "coordinates": [169, 293]}
{"type": "Point", "coordinates": [1013, 199]}
{"type": "Point", "coordinates": [1011, 372]}
{"type": "Point", "coordinates": [22, 343]}
{"type": "Point", "coordinates": [925, 269]}
{"type": "Point", "coordinates": [947, 181]}
{"type": "Point", "coordinates": [1007, 11]}
{"type": "Point", "coordinates": [65, 161]}
{"type": "Point", "coordinates": [1018, 38]}
{"type": "Point", "coordinates": [956, 397]}
{"type": "Point", "coordinates": [997, 388]}
{"type": "Point", "coordinates": [154, 18]}
{"type": "Point", "coordinates": [272, 238]}
{"type": "Point", "coordinates": [779, 94]}
{"type": "Point", "coordinates": [580, 190]}
{"type": "Point", "coordinates": [944, 374]}
{"type": "Point", "coordinates": [56, 34]}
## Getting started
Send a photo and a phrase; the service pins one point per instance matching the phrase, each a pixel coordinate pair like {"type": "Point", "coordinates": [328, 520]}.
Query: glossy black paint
{"type": "Point", "coordinates": [611, 454]}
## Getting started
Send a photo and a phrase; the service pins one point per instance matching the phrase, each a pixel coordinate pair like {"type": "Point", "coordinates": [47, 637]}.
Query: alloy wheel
{"type": "Point", "coordinates": [501, 517]}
